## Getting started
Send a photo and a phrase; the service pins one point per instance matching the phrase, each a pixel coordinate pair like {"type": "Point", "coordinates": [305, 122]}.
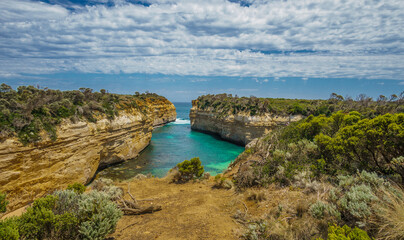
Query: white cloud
{"type": "Point", "coordinates": [287, 38]}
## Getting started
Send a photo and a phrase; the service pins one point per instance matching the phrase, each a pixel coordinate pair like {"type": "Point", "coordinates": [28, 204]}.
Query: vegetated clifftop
{"type": "Point", "coordinates": [30, 170]}
{"type": "Point", "coordinates": [239, 127]}
{"type": "Point", "coordinates": [242, 119]}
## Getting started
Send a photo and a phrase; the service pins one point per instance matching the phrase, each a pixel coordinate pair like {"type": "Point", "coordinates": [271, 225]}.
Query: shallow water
{"type": "Point", "coordinates": [173, 143]}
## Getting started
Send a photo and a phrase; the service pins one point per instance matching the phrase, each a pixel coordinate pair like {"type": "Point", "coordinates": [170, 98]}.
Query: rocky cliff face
{"type": "Point", "coordinates": [238, 128]}
{"type": "Point", "coordinates": [29, 172]}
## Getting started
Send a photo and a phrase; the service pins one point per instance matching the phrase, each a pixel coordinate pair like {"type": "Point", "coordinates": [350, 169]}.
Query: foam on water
{"type": "Point", "coordinates": [181, 121]}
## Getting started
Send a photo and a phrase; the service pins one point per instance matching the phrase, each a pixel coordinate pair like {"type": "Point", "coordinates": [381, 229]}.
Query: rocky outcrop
{"type": "Point", "coordinates": [238, 128]}
{"type": "Point", "coordinates": [163, 113]}
{"type": "Point", "coordinates": [29, 172]}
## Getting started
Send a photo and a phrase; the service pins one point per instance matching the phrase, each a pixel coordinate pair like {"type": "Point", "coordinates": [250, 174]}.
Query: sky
{"type": "Point", "coordinates": [185, 48]}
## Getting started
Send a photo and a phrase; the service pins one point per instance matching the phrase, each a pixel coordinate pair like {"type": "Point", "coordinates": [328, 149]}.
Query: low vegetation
{"type": "Point", "coordinates": [348, 162]}
{"type": "Point", "coordinates": [66, 214]}
{"type": "Point", "coordinates": [29, 110]}
{"type": "Point", "coordinates": [346, 233]}
{"type": "Point", "coordinates": [225, 104]}
{"type": "Point", "coordinates": [330, 146]}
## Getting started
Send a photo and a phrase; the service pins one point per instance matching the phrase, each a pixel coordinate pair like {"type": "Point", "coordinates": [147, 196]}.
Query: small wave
{"type": "Point", "coordinates": [181, 121]}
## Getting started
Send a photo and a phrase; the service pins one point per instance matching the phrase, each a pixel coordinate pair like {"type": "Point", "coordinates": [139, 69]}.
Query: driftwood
{"type": "Point", "coordinates": [133, 208]}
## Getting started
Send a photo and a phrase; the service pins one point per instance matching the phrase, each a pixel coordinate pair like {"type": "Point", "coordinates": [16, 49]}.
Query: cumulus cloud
{"type": "Point", "coordinates": [257, 38]}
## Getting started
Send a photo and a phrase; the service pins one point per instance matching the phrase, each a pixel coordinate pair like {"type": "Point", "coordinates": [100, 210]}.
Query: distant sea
{"type": "Point", "coordinates": [173, 143]}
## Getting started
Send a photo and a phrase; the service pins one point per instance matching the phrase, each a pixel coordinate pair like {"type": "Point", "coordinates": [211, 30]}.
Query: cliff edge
{"type": "Point", "coordinates": [240, 127]}
{"type": "Point", "coordinates": [29, 171]}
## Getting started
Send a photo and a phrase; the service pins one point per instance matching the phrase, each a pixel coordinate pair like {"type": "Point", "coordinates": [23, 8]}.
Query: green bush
{"type": "Point", "coordinates": [189, 169]}
{"type": "Point", "coordinates": [346, 233]}
{"type": "Point", "coordinates": [9, 229]}
{"type": "Point", "coordinates": [66, 215]}
{"type": "Point", "coordinates": [98, 215]}
{"type": "Point", "coordinates": [77, 187]}
{"type": "Point", "coordinates": [3, 202]}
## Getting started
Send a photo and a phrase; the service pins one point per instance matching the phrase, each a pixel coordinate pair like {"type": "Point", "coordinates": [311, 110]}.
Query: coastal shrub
{"type": "Point", "coordinates": [189, 169]}
{"type": "Point", "coordinates": [357, 201]}
{"type": "Point", "coordinates": [77, 187]}
{"type": "Point", "coordinates": [371, 144]}
{"type": "Point", "coordinates": [330, 146]}
{"type": "Point", "coordinates": [9, 229]}
{"type": "Point", "coordinates": [321, 210]}
{"type": "Point", "coordinates": [98, 215]}
{"type": "Point", "coordinates": [38, 221]}
{"type": "Point", "coordinates": [3, 202]}
{"type": "Point", "coordinates": [29, 110]}
{"type": "Point", "coordinates": [336, 232]}
{"type": "Point", "coordinates": [225, 104]}
{"type": "Point", "coordinates": [69, 215]}
{"type": "Point", "coordinates": [362, 200]}
{"type": "Point", "coordinates": [107, 186]}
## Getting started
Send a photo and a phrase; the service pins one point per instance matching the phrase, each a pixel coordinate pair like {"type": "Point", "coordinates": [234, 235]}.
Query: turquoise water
{"type": "Point", "coordinates": [173, 143]}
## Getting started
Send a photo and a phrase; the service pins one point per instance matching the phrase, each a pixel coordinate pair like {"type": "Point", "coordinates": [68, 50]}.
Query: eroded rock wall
{"type": "Point", "coordinates": [238, 128]}
{"type": "Point", "coordinates": [29, 172]}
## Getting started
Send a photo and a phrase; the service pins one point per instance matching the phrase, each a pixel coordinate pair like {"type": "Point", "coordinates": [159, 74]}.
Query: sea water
{"type": "Point", "coordinates": [173, 143]}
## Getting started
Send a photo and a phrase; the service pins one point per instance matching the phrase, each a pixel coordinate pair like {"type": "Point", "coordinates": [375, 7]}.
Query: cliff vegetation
{"type": "Point", "coordinates": [226, 104]}
{"type": "Point", "coordinates": [29, 110]}
{"type": "Point", "coordinates": [348, 169]}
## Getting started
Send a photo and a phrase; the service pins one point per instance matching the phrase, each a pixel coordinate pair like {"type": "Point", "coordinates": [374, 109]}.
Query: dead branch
{"type": "Point", "coordinates": [133, 208]}
{"type": "Point", "coordinates": [133, 198]}
{"type": "Point", "coordinates": [150, 209]}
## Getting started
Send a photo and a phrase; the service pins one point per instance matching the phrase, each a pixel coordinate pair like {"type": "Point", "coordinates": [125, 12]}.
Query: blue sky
{"type": "Point", "coordinates": [185, 48]}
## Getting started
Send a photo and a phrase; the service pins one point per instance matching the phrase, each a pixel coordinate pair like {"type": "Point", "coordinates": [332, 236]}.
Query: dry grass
{"type": "Point", "coordinates": [285, 212]}
{"type": "Point", "coordinates": [390, 216]}
{"type": "Point", "coordinates": [189, 211]}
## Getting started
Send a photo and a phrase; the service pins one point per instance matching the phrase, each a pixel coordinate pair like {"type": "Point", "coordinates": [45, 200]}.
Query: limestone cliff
{"type": "Point", "coordinates": [240, 128]}
{"type": "Point", "coordinates": [31, 171]}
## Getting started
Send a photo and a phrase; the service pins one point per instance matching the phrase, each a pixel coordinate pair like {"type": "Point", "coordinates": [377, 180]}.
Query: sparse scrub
{"type": "Point", "coordinates": [222, 182]}
{"type": "Point", "coordinates": [256, 196]}
{"type": "Point", "coordinates": [256, 231]}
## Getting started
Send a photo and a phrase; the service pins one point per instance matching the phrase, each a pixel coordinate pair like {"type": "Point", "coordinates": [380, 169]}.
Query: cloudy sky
{"type": "Point", "coordinates": [185, 48]}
